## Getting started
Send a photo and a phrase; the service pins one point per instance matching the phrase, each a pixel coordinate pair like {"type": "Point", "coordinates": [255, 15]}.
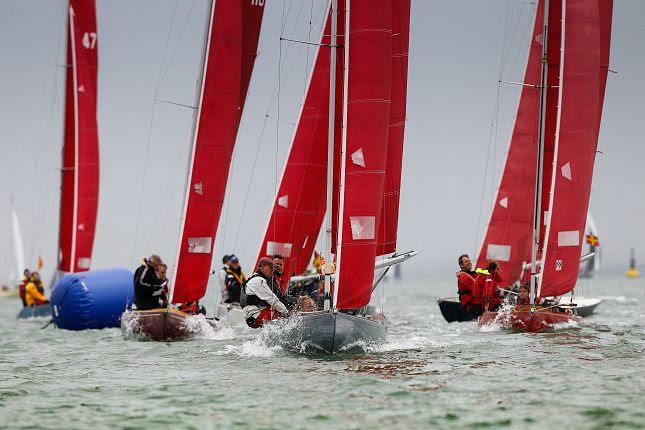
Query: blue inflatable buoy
{"type": "Point", "coordinates": [94, 299]}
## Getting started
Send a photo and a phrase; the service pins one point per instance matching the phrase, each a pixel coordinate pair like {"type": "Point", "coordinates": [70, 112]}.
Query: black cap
{"type": "Point", "coordinates": [225, 258]}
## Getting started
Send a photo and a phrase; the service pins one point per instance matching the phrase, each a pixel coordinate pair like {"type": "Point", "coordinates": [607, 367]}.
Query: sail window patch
{"type": "Point", "coordinates": [558, 265]}
{"type": "Point", "coordinates": [358, 158]}
{"type": "Point", "coordinates": [498, 252]}
{"type": "Point", "coordinates": [199, 188]}
{"type": "Point", "coordinates": [281, 248]}
{"type": "Point", "coordinates": [363, 227]}
{"type": "Point", "coordinates": [83, 263]}
{"type": "Point", "coordinates": [200, 245]}
{"type": "Point", "coordinates": [569, 238]}
{"type": "Point", "coordinates": [283, 201]}
{"type": "Point", "coordinates": [566, 170]}
{"type": "Point", "coordinates": [504, 202]}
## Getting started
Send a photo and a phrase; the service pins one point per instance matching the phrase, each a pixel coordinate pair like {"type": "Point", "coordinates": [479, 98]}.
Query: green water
{"type": "Point", "coordinates": [429, 374]}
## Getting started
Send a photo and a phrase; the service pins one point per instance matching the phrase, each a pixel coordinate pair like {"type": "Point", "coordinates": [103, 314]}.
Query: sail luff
{"type": "Point", "coordinates": [368, 57]}
{"type": "Point", "coordinates": [217, 121]}
{"type": "Point", "coordinates": [80, 171]}
{"type": "Point", "coordinates": [575, 147]}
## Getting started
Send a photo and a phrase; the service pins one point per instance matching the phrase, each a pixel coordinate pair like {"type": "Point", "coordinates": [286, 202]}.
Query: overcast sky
{"type": "Point", "coordinates": [149, 53]}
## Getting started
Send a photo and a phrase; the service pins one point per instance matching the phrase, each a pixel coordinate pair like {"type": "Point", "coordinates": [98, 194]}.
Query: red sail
{"type": "Point", "coordinates": [367, 112]}
{"type": "Point", "coordinates": [299, 207]}
{"type": "Point", "coordinates": [227, 68]}
{"type": "Point", "coordinates": [387, 232]}
{"type": "Point", "coordinates": [575, 149]}
{"type": "Point", "coordinates": [80, 170]}
{"type": "Point", "coordinates": [509, 232]}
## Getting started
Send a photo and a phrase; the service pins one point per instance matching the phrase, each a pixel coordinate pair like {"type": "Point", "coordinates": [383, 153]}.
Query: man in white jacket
{"type": "Point", "coordinates": [257, 300]}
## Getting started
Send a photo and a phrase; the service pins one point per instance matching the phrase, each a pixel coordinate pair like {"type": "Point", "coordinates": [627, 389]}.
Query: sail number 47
{"type": "Point", "coordinates": [89, 40]}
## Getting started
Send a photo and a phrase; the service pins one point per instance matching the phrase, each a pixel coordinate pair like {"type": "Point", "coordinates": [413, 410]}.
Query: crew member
{"type": "Point", "coordinates": [221, 278]}
{"type": "Point", "coordinates": [258, 302]}
{"type": "Point", "coordinates": [235, 278]}
{"type": "Point", "coordinates": [22, 286]}
{"type": "Point", "coordinates": [487, 286]}
{"type": "Point", "coordinates": [276, 282]}
{"type": "Point", "coordinates": [523, 297]}
{"type": "Point", "coordinates": [34, 291]}
{"type": "Point", "coordinates": [466, 285]}
{"type": "Point", "coordinates": [148, 288]}
{"type": "Point", "coordinates": [193, 308]}
{"type": "Point", "coordinates": [162, 274]}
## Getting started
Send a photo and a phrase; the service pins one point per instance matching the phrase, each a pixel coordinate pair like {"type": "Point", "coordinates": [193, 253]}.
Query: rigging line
{"type": "Point", "coordinates": [174, 50]}
{"type": "Point", "coordinates": [277, 125]}
{"type": "Point", "coordinates": [259, 144]}
{"type": "Point", "coordinates": [490, 133]}
{"type": "Point", "coordinates": [326, 45]}
{"type": "Point", "coordinates": [171, 179]}
{"type": "Point", "coordinates": [160, 78]}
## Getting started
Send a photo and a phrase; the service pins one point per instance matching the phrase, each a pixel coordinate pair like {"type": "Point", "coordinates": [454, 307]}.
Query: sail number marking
{"type": "Point", "coordinates": [257, 3]}
{"type": "Point", "coordinates": [89, 40]}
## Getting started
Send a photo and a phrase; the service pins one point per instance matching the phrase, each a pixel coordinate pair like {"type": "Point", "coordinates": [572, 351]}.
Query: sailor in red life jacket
{"type": "Point", "coordinates": [258, 302]}
{"type": "Point", "coordinates": [486, 286]}
{"type": "Point", "coordinates": [465, 286]}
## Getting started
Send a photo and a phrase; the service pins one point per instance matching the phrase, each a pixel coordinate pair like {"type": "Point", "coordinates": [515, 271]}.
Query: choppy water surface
{"type": "Point", "coordinates": [429, 374]}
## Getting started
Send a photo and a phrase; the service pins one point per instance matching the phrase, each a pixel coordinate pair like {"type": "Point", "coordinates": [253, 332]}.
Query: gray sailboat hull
{"type": "Point", "coordinates": [328, 332]}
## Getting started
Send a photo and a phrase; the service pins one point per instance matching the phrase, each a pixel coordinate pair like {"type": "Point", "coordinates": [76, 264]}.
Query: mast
{"type": "Point", "coordinates": [540, 155]}
{"type": "Point", "coordinates": [330, 148]}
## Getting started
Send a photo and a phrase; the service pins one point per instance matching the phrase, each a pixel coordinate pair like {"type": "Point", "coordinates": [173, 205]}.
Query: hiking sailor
{"type": "Point", "coordinates": [465, 286]}
{"type": "Point", "coordinates": [148, 288]}
{"type": "Point", "coordinates": [258, 302]}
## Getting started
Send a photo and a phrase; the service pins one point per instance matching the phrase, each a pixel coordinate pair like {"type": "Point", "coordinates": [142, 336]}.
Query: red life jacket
{"type": "Point", "coordinates": [22, 290]}
{"type": "Point", "coordinates": [486, 288]}
{"type": "Point", "coordinates": [465, 287]}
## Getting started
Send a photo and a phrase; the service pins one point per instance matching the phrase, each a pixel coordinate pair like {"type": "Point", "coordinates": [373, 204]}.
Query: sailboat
{"type": "Point", "coordinates": [230, 49]}
{"type": "Point", "coordinates": [18, 253]}
{"type": "Point", "coordinates": [591, 245]}
{"type": "Point", "coordinates": [80, 164]}
{"type": "Point", "coordinates": [542, 202]}
{"type": "Point", "coordinates": [344, 170]}
{"type": "Point", "coordinates": [633, 271]}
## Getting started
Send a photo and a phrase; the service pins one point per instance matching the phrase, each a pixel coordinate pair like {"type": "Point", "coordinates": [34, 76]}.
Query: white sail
{"type": "Point", "coordinates": [18, 248]}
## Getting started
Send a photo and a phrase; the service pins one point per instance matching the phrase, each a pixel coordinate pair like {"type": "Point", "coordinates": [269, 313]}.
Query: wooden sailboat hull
{"type": "Point", "coordinates": [452, 311]}
{"type": "Point", "coordinates": [40, 311]}
{"type": "Point", "coordinates": [327, 332]}
{"type": "Point", "coordinates": [156, 324]}
{"type": "Point", "coordinates": [524, 319]}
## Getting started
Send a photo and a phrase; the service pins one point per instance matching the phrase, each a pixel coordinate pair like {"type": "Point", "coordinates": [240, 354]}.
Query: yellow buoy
{"type": "Point", "coordinates": [633, 273]}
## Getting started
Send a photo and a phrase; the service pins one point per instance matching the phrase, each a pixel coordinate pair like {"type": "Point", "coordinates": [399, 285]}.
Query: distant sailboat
{"type": "Point", "coordinates": [541, 206]}
{"type": "Point", "coordinates": [230, 49]}
{"type": "Point", "coordinates": [18, 255]}
{"type": "Point", "coordinates": [591, 245]}
{"type": "Point", "coordinates": [344, 169]}
{"type": "Point", "coordinates": [633, 271]}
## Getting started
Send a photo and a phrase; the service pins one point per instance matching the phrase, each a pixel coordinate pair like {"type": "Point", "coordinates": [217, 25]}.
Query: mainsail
{"type": "Point", "coordinates": [230, 46]}
{"type": "Point", "coordinates": [509, 234]}
{"type": "Point", "coordinates": [80, 169]}
{"type": "Point", "coordinates": [575, 147]}
{"type": "Point", "coordinates": [368, 53]}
